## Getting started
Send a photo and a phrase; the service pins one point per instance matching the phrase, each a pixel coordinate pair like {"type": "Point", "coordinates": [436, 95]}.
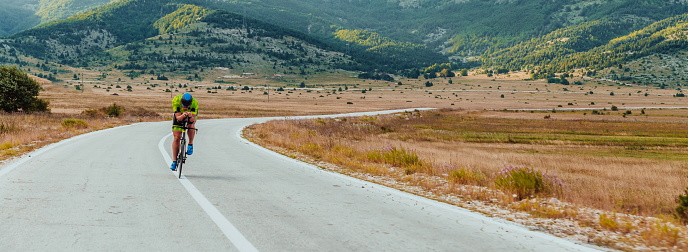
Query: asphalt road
{"type": "Point", "coordinates": [112, 190]}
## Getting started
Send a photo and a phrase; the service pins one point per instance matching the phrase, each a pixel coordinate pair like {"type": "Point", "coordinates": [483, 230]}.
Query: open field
{"type": "Point", "coordinates": [626, 168]}
{"type": "Point", "coordinates": [620, 149]}
{"type": "Point", "coordinates": [322, 93]}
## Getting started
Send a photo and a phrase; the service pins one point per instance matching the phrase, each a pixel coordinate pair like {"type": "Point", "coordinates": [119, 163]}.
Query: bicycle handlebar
{"type": "Point", "coordinates": [185, 122]}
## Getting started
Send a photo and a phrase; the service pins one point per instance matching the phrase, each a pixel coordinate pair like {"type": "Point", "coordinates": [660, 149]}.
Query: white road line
{"type": "Point", "coordinates": [233, 234]}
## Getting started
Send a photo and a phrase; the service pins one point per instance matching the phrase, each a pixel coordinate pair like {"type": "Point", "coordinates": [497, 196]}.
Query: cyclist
{"type": "Point", "coordinates": [184, 106]}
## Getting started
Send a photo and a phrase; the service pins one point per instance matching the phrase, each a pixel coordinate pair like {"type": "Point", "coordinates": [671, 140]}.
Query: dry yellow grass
{"type": "Point", "coordinates": [594, 175]}
{"type": "Point", "coordinates": [616, 179]}
{"type": "Point", "coordinates": [22, 133]}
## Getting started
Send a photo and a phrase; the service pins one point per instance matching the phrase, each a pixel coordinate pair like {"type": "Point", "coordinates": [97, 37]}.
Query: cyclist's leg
{"type": "Point", "coordinates": [177, 133]}
{"type": "Point", "coordinates": [191, 133]}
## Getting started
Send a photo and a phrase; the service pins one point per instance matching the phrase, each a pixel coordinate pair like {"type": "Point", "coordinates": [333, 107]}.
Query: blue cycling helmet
{"type": "Point", "coordinates": [186, 100]}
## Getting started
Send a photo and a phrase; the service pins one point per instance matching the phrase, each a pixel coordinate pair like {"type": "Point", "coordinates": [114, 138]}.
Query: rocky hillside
{"type": "Point", "coordinates": [539, 35]}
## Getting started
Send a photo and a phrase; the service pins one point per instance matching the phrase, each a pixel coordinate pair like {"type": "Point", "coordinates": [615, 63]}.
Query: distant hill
{"type": "Point", "coordinates": [50, 10]}
{"type": "Point", "coordinates": [597, 45]}
{"type": "Point", "coordinates": [74, 40]}
{"type": "Point", "coordinates": [19, 15]}
{"type": "Point", "coordinates": [460, 28]}
{"type": "Point", "coordinates": [175, 39]}
{"type": "Point", "coordinates": [392, 35]}
{"type": "Point", "coordinates": [93, 31]}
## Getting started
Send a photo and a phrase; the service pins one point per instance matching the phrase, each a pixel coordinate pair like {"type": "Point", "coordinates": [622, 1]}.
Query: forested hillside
{"type": "Point", "coordinates": [463, 28]}
{"type": "Point", "coordinates": [50, 10]}
{"type": "Point", "coordinates": [595, 45]}
{"type": "Point", "coordinates": [176, 39]}
{"type": "Point", "coordinates": [19, 15]}
{"type": "Point", "coordinates": [396, 54]}
{"type": "Point", "coordinates": [93, 31]}
{"type": "Point", "coordinates": [384, 35]}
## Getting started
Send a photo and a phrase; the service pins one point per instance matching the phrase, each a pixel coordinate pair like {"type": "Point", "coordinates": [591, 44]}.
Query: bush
{"type": "Point", "coordinates": [397, 157]}
{"type": "Point", "coordinates": [74, 124]}
{"type": "Point", "coordinates": [8, 128]}
{"type": "Point", "coordinates": [466, 176]}
{"type": "Point", "coordinates": [682, 208]}
{"type": "Point", "coordinates": [526, 182]}
{"type": "Point", "coordinates": [114, 110]}
{"type": "Point", "coordinates": [94, 113]}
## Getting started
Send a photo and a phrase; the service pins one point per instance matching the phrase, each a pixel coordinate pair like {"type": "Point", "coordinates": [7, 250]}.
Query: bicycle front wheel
{"type": "Point", "coordinates": [181, 157]}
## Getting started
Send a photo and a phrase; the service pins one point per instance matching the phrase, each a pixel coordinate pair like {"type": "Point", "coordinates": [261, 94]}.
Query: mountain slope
{"type": "Point", "coordinates": [595, 45]}
{"type": "Point", "coordinates": [468, 27]}
{"type": "Point", "coordinates": [176, 39]}
{"type": "Point", "coordinates": [462, 28]}
{"type": "Point", "coordinates": [560, 43]}
{"type": "Point", "coordinates": [666, 36]}
{"type": "Point", "coordinates": [93, 31]}
{"type": "Point", "coordinates": [19, 15]}
{"type": "Point", "coordinates": [551, 36]}
{"type": "Point", "coordinates": [51, 10]}
{"type": "Point", "coordinates": [73, 40]}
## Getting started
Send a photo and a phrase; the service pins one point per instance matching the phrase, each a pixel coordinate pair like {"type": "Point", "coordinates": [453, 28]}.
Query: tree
{"type": "Point", "coordinates": [18, 92]}
{"type": "Point", "coordinates": [447, 73]}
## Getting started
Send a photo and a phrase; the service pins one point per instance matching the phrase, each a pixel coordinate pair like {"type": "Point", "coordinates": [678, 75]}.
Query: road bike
{"type": "Point", "coordinates": [181, 155]}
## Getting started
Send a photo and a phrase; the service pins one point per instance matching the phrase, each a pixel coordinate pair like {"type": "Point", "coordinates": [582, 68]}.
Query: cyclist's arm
{"type": "Point", "coordinates": [193, 110]}
{"type": "Point", "coordinates": [182, 115]}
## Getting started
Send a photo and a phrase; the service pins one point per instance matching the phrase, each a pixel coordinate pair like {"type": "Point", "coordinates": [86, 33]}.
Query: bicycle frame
{"type": "Point", "coordinates": [181, 155]}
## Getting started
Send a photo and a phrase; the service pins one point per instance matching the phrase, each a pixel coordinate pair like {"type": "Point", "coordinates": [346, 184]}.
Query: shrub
{"type": "Point", "coordinates": [608, 222]}
{"type": "Point", "coordinates": [466, 176]}
{"type": "Point", "coordinates": [682, 208]}
{"type": "Point", "coordinates": [94, 113]}
{"type": "Point", "coordinates": [8, 127]}
{"type": "Point", "coordinates": [6, 145]}
{"type": "Point", "coordinates": [661, 234]}
{"type": "Point", "coordinates": [399, 157]}
{"type": "Point", "coordinates": [114, 110]}
{"type": "Point", "coordinates": [74, 123]}
{"type": "Point", "coordinates": [527, 182]}
{"type": "Point", "coordinates": [614, 224]}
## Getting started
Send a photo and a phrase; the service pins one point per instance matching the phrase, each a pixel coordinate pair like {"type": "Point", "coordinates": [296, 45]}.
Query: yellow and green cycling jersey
{"type": "Point", "coordinates": [177, 105]}
{"type": "Point", "coordinates": [178, 108]}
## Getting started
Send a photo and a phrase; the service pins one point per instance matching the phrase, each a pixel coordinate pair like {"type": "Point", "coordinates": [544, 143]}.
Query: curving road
{"type": "Point", "coordinates": [112, 190]}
